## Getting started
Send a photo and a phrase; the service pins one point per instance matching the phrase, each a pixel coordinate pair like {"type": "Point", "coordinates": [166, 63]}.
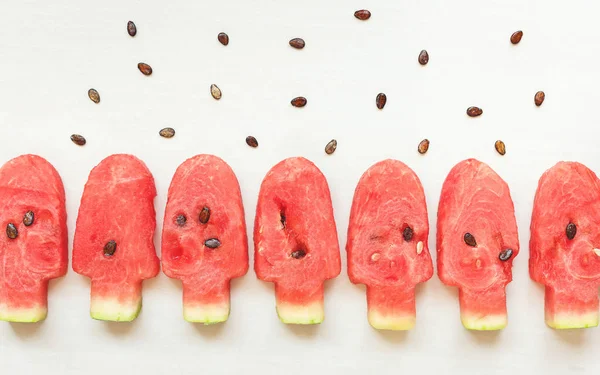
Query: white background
{"type": "Point", "coordinates": [52, 52]}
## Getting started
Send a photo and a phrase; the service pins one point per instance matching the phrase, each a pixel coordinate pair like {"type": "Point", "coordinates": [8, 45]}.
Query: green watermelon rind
{"type": "Point", "coordinates": [484, 323]}
{"type": "Point", "coordinates": [312, 313]}
{"type": "Point", "coordinates": [113, 310]}
{"type": "Point", "coordinates": [24, 315]}
{"type": "Point", "coordinates": [571, 321]}
{"type": "Point", "coordinates": [206, 314]}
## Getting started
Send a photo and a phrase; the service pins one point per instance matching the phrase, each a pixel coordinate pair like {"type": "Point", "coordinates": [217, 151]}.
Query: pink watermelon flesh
{"type": "Point", "coordinates": [204, 182]}
{"type": "Point", "coordinates": [117, 205]}
{"type": "Point", "coordinates": [569, 268]}
{"type": "Point", "coordinates": [39, 252]}
{"type": "Point", "coordinates": [295, 239]}
{"type": "Point", "coordinates": [388, 202]}
{"type": "Point", "coordinates": [476, 200]}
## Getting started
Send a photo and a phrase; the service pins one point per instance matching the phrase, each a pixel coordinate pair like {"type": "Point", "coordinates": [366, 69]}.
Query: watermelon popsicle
{"type": "Point", "coordinates": [387, 243]}
{"type": "Point", "coordinates": [295, 239]}
{"type": "Point", "coordinates": [565, 244]}
{"type": "Point", "coordinates": [204, 241]}
{"type": "Point", "coordinates": [477, 241]}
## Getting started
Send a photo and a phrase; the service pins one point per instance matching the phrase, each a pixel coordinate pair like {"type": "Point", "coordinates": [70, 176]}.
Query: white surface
{"type": "Point", "coordinates": [51, 53]}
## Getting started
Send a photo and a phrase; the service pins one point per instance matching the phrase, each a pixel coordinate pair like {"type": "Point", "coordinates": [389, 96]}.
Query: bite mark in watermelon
{"type": "Point", "coordinates": [477, 201]}
{"type": "Point", "coordinates": [387, 243]}
{"type": "Point", "coordinates": [295, 239]}
{"type": "Point", "coordinates": [39, 251]}
{"type": "Point", "coordinates": [117, 205]}
{"type": "Point", "coordinates": [567, 193]}
{"type": "Point", "coordinates": [204, 203]}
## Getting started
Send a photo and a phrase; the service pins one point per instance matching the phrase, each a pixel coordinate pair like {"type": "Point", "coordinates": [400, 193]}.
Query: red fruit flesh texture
{"type": "Point", "coordinates": [476, 200]}
{"type": "Point", "coordinates": [297, 190]}
{"type": "Point", "coordinates": [205, 181]}
{"type": "Point", "coordinates": [117, 204]}
{"type": "Point", "coordinates": [570, 269]}
{"type": "Point", "coordinates": [389, 198]}
{"type": "Point", "coordinates": [39, 253]}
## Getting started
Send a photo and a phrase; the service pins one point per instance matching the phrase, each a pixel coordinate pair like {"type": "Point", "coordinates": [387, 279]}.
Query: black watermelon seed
{"type": "Point", "coordinates": [423, 146]}
{"type": "Point", "coordinates": [423, 57]}
{"type": "Point", "coordinates": [223, 38]}
{"type": "Point", "coordinates": [204, 215]}
{"type": "Point", "coordinates": [505, 255]}
{"type": "Point", "coordinates": [145, 68]}
{"type": "Point", "coordinates": [110, 248]}
{"type": "Point", "coordinates": [470, 240]}
{"type": "Point", "coordinates": [298, 254]}
{"type": "Point", "coordinates": [407, 233]}
{"type": "Point", "coordinates": [299, 101]}
{"type": "Point", "coordinates": [131, 28]}
{"type": "Point", "coordinates": [380, 100]}
{"type": "Point", "coordinates": [28, 218]}
{"type": "Point", "coordinates": [251, 141]}
{"type": "Point", "coordinates": [11, 231]}
{"type": "Point", "coordinates": [362, 14]}
{"type": "Point", "coordinates": [94, 95]}
{"type": "Point", "coordinates": [331, 147]}
{"type": "Point", "coordinates": [571, 231]}
{"type": "Point", "coordinates": [515, 38]}
{"type": "Point", "coordinates": [474, 111]}
{"type": "Point", "coordinates": [212, 243]}
{"type": "Point", "coordinates": [181, 220]}
{"type": "Point", "coordinates": [167, 133]}
{"type": "Point", "coordinates": [79, 140]}
{"type": "Point", "coordinates": [297, 43]}
{"type": "Point", "coordinates": [539, 97]}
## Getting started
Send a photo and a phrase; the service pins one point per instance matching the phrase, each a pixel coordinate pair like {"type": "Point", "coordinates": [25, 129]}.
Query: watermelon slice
{"type": "Point", "coordinates": [204, 242]}
{"type": "Point", "coordinates": [33, 247]}
{"type": "Point", "coordinates": [113, 243]}
{"type": "Point", "coordinates": [565, 244]}
{"type": "Point", "coordinates": [387, 243]}
{"type": "Point", "coordinates": [295, 239]}
{"type": "Point", "coordinates": [477, 241]}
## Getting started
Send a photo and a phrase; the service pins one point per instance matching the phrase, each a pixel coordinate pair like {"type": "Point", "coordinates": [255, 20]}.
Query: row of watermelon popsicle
{"type": "Point", "coordinates": [204, 241]}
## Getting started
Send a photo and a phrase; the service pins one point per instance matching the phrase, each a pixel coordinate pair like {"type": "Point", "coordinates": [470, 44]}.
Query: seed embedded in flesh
{"type": "Point", "coordinates": [110, 248]}
{"type": "Point", "coordinates": [474, 111]}
{"type": "Point", "coordinates": [375, 257]}
{"type": "Point", "coordinates": [419, 247]}
{"type": "Point", "coordinates": [297, 43]}
{"type": "Point", "coordinates": [204, 215]}
{"type": "Point", "coordinates": [180, 220]}
{"type": "Point", "coordinates": [500, 147]}
{"type": "Point", "coordinates": [298, 254]}
{"type": "Point", "coordinates": [212, 243]}
{"type": "Point", "coordinates": [505, 255]}
{"type": "Point", "coordinates": [470, 239]}
{"type": "Point", "coordinates": [331, 147]}
{"type": "Point", "coordinates": [571, 231]}
{"type": "Point", "coordinates": [423, 57]}
{"type": "Point", "coordinates": [299, 101]}
{"type": "Point", "coordinates": [215, 91]}
{"type": "Point", "coordinates": [407, 233]}
{"type": "Point", "coordinates": [380, 100]}
{"type": "Point", "coordinates": [79, 140]}
{"type": "Point", "coordinates": [11, 231]}
{"type": "Point", "coordinates": [167, 132]}
{"type": "Point", "coordinates": [28, 218]}
{"type": "Point", "coordinates": [515, 38]}
{"type": "Point", "coordinates": [362, 14]}
{"type": "Point", "coordinates": [145, 68]}
{"type": "Point", "coordinates": [423, 146]}
{"type": "Point", "coordinates": [282, 219]}
{"type": "Point", "coordinates": [94, 96]}
{"type": "Point", "coordinates": [223, 38]}
{"type": "Point", "coordinates": [251, 141]}
{"type": "Point", "coordinates": [131, 28]}
{"type": "Point", "coordinates": [539, 98]}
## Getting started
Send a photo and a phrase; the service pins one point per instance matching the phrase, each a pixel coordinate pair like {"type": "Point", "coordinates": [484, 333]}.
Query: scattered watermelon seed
{"type": "Point", "coordinates": [299, 101]}
{"type": "Point", "coordinates": [474, 111]}
{"type": "Point", "coordinates": [181, 220]}
{"type": "Point", "coordinates": [539, 98]}
{"type": "Point", "coordinates": [167, 132]}
{"type": "Point", "coordinates": [362, 14]}
{"type": "Point", "coordinates": [282, 219]}
{"type": "Point", "coordinates": [94, 96]}
{"type": "Point", "coordinates": [505, 255]}
{"type": "Point", "coordinates": [297, 43]}
{"type": "Point", "coordinates": [298, 254]}
{"type": "Point", "coordinates": [204, 215]}
{"type": "Point", "coordinates": [407, 233]}
{"type": "Point", "coordinates": [145, 68]}
{"type": "Point", "coordinates": [423, 57]}
{"type": "Point", "coordinates": [423, 146]}
{"type": "Point", "coordinates": [515, 38]}
{"type": "Point", "coordinates": [11, 231]}
{"type": "Point", "coordinates": [215, 91]}
{"type": "Point", "coordinates": [571, 231]}
{"type": "Point", "coordinates": [500, 147]}
{"type": "Point", "coordinates": [212, 243]}
{"type": "Point", "coordinates": [380, 100]}
{"type": "Point", "coordinates": [131, 28]}
{"type": "Point", "coordinates": [223, 38]}
{"type": "Point", "coordinates": [470, 240]}
{"type": "Point", "coordinates": [79, 140]}
{"type": "Point", "coordinates": [251, 141]}
{"type": "Point", "coordinates": [331, 147]}
{"type": "Point", "coordinates": [419, 247]}
{"type": "Point", "coordinates": [110, 248]}
{"type": "Point", "coordinates": [28, 218]}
